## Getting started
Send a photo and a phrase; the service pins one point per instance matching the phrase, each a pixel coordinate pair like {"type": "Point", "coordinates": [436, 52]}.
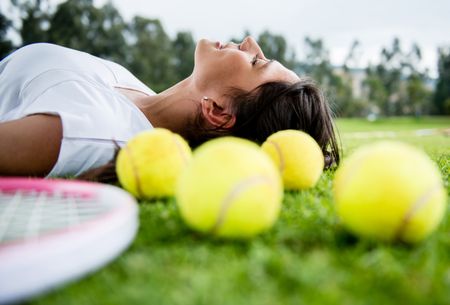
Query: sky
{"type": "Point", "coordinates": [338, 22]}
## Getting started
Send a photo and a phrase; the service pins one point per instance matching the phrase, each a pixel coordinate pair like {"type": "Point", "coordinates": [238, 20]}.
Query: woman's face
{"type": "Point", "coordinates": [221, 67]}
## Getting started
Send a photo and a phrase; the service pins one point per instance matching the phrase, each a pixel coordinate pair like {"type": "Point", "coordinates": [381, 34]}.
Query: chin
{"type": "Point", "coordinates": [203, 49]}
{"type": "Point", "coordinates": [205, 45]}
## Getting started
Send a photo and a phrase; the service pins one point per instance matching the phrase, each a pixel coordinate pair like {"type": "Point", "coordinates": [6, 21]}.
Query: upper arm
{"type": "Point", "coordinates": [30, 146]}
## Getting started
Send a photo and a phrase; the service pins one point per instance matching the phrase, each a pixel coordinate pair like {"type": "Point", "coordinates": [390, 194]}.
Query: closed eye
{"type": "Point", "coordinates": [254, 60]}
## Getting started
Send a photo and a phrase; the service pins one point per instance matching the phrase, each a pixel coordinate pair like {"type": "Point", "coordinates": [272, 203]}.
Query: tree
{"type": "Point", "coordinates": [275, 47]}
{"type": "Point", "coordinates": [80, 25]}
{"type": "Point", "coordinates": [441, 98]}
{"type": "Point", "coordinates": [353, 56]}
{"type": "Point", "coordinates": [336, 86]}
{"type": "Point", "coordinates": [376, 91]}
{"type": "Point", "coordinates": [70, 25]}
{"type": "Point", "coordinates": [108, 29]}
{"type": "Point", "coordinates": [387, 81]}
{"type": "Point", "coordinates": [183, 48]}
{"type": "Point", "coordinates": [317, 64]}
{"type": "Point", "coordinates": [396, 85]}
{"type": "Point", "coordinates": [6, 45]}
{"type": "Point", "coordinates": [34, 20]}
{"type": "Point", "coordinates": [390, 71]}
{"type": "Point", "coordinates": [151, 53]}
{"type": "Point", "coordinates": [353, 100]}
{"type": "Point", "coordinates": [417, 96]}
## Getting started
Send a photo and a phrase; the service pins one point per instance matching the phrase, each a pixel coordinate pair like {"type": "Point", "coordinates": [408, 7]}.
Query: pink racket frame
{"type": "Point", "coordinates": [28, 268]}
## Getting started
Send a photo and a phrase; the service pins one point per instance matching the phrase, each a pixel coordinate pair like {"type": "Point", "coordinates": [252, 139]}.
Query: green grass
{"type": "Point", "coordinates": [396, 124]}
{"type": "Point", "coordinates": [307, 258]}
{"type": "Point", "coordinates": [357, 132]}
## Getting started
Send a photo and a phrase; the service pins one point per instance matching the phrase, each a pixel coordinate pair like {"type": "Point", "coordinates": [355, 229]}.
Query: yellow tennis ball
{"type": "Point", "coordinates": [151, 162]}
{"type": "Point", "coordinates": [230, 189]}
{"type": "Point", "coordinates": [298, 157]}
{"type": "Point", "coordinates": [389, 191]}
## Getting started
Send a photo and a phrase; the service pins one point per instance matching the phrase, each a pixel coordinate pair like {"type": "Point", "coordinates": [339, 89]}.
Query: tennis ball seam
{"type": "Point", "coordinates": [180, 150]}
{"type": "Point", "coordinates": [415, 207]}
{"type": "Point", "coordinates": [282, 164]}
{"type": "Point", "coordinates": [231, 195]}
{"type": "Point", "coordinates": [135, 171]}
{"type": "Point", "coordinates": [345, 179]}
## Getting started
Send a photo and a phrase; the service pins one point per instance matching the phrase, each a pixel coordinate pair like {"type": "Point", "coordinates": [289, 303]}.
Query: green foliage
{"type": "Point", "coordinates": [395, 86]}
{"type": "Point", "coordinates": [6, 45]}
{"type": "Point", "coordinates": [337, 86]}
{"type": "Point", "coordinates": [276, 47]}
{"type": "Point", "coordinates": [441, 97]}
{"type": "Point", "coordinates": [183, 48]}
{"type": "Point", "coordinates": [34, 19]}
{"type": "Point", "coordinates": [152, 53]}
{"type": "Point", "coordinates": [80, 25]}
{"type": "Point", "coordinates": [417, 96]}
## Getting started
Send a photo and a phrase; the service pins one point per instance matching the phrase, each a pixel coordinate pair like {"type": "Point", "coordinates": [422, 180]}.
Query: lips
{"type": "Point", "coordinates": [218, 45]}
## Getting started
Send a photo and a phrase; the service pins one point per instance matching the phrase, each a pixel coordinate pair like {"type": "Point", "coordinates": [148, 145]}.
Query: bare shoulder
{"type": "Point", "coordinates": [30, 146]}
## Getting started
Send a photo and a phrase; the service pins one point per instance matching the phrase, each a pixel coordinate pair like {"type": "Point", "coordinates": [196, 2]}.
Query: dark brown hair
{"type": "Point", "coordinates": [275, 106]}
{"type": "Point", "coordinates": [270, 107]}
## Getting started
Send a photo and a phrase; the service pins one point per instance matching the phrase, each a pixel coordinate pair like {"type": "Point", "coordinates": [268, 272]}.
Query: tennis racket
{"type": "Point", "coordinates": [56, 231]}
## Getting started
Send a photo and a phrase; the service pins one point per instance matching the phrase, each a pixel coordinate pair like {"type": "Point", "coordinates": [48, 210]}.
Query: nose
{"type": "Point", "coordinates": [249, 39]}
{"type": "Point", "coordinates": [250, 44]}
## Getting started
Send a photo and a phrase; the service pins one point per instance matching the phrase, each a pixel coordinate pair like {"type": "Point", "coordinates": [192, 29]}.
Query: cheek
{"type": "Point", "coordinates": [229, 65]}
{"type": "Point", "coordinates": [224, 69]}
{"type": "Point", "coordinates": [232, 69]}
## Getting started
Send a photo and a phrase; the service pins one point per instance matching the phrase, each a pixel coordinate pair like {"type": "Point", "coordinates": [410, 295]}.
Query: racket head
{"type": "Point", "coordinates": [53, 231]}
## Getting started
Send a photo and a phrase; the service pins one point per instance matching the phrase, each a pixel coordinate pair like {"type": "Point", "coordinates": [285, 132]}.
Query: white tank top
{"type": "Point", "coordinates": [78, 87]}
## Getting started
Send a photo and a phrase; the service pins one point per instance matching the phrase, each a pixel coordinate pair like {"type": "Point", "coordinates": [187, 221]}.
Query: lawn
{"type": "Point", "coordinates": [307, 258]}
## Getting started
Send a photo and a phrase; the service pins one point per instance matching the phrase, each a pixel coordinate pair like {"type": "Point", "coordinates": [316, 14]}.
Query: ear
{"type": "Point", "coordinates": [217, 115]}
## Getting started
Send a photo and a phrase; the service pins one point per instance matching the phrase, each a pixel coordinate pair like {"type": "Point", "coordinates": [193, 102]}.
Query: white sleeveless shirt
{"type": "Point", "coordinates": [79, 88]}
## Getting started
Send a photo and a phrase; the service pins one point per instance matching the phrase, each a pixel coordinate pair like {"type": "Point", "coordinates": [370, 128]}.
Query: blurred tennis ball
{"type": "Point", "coordinates": [230, 189]}
{"type": "Point", "coordinates": [298, 157]}
{"type": "Point", "coordinates": [151, 162]}
{"type": "Point", "coordinates": [389, 191]}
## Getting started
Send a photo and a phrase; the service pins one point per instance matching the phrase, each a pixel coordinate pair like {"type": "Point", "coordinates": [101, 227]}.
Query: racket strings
{"type": "Point", "coordinates": [26, 215]}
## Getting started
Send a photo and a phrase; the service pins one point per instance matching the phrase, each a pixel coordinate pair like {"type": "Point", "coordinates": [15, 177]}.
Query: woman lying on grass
{"type": "Point", "coordinates": [62, 111]}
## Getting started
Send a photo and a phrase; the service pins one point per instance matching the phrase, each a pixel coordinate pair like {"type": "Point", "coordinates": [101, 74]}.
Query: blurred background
{"type": "Point", "coordinates": [385, 67]}
{"type": "Point", "coordinates": [373, 58]}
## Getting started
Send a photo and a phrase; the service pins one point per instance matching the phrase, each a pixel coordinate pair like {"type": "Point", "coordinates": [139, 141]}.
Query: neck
{"type": "Point", "coordinates": [173, 108]}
